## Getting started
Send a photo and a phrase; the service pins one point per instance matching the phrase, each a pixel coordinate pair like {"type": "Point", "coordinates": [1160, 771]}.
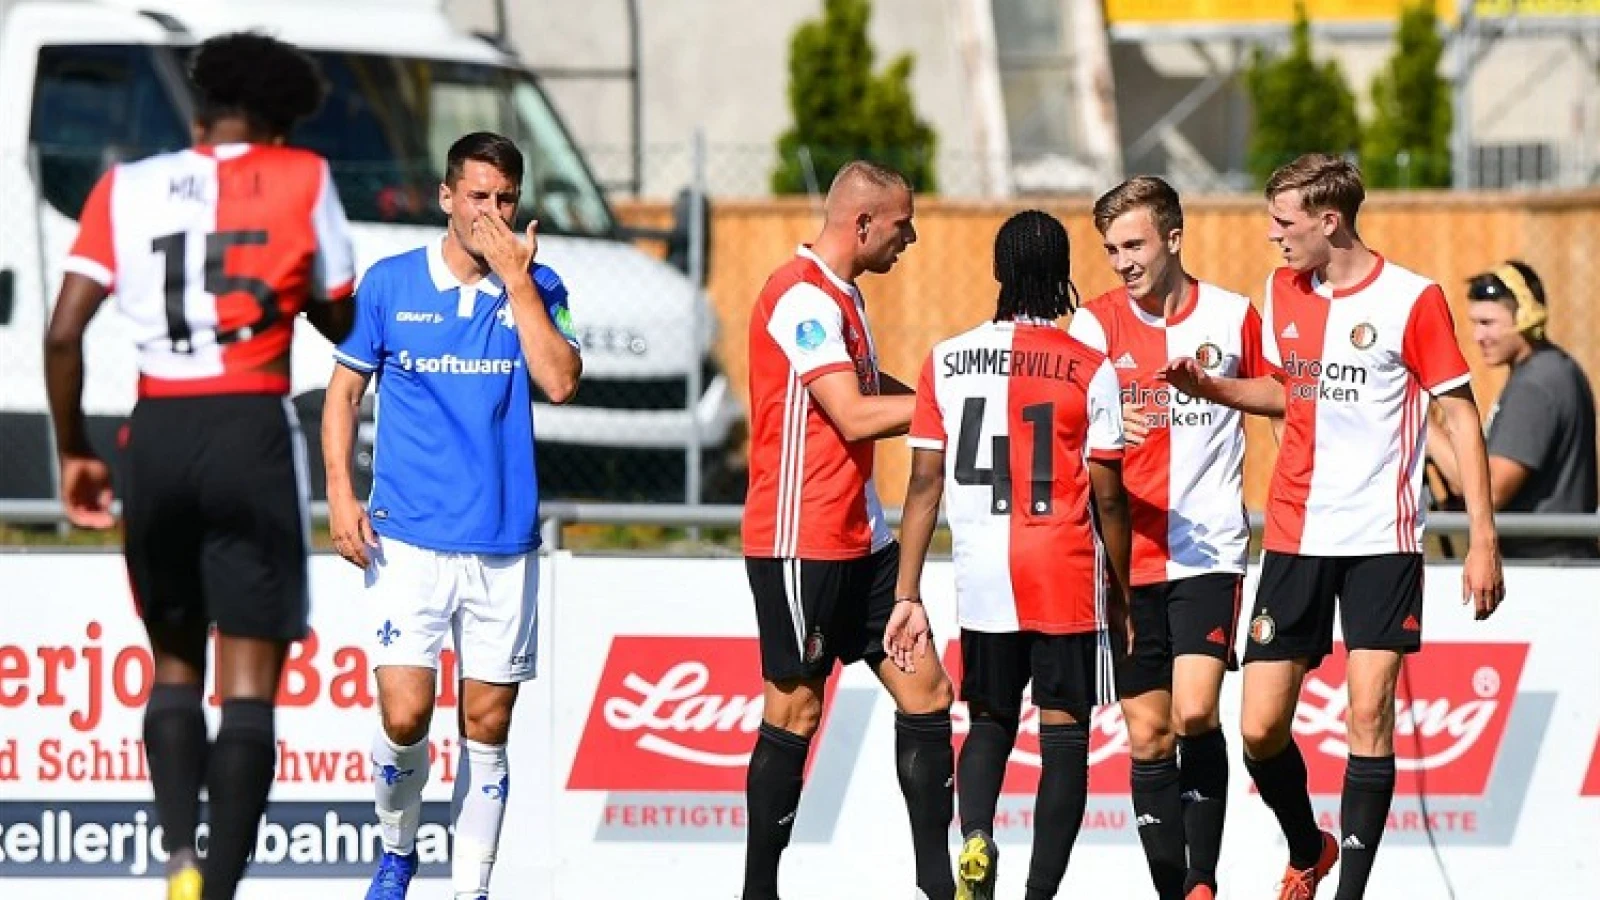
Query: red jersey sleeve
{"type": "Point", "coordinates": [93, 254]}
{"type": "Point", "coordinates": [927, 422]}
{"type": "Point", "coordinates": [1430, 349]}
{"type": "Point", "coordinates": [1252, 361]}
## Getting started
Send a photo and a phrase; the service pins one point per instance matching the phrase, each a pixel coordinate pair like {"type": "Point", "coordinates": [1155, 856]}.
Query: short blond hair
{"type": "Point", "coordinates": [1324, 182]}
{"type": "Point", "coordinates": [1145, 191]}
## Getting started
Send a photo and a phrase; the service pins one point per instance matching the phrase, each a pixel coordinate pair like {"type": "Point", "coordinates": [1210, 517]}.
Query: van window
{"type": "Point", "coordinates": [94, 106]}
{"type": "Point", "coordinates": [389, 121]}
{"type": "Point", "coordinates": [384, 129]}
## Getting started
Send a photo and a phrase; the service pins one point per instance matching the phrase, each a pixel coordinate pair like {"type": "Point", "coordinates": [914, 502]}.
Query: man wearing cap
{"type": "Point", "coordinates": [1541, 431]}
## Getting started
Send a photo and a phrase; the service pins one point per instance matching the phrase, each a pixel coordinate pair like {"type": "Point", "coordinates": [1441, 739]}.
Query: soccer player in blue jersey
{"type": "Point", "coordinates": [457, 333]}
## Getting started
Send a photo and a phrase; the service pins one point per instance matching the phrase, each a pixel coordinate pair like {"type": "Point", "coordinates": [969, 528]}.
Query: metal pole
{"type": "Point", "coordinates": [697, 323]}
{"type": "Point", "coordinates": [500, 20]}
{"type": "Point", "coordinates": [636, 114]}
{"type": "Point", "coordinates": [1464, 47]}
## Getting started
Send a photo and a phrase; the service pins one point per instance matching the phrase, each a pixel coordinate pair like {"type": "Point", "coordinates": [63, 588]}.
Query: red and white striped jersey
{"type": "Point", "coordinates": [1028, 405]}
{"type": "Point", "coordinates": [811, 494]}
{"type": "Point", "coordinates": [1186, 480]}
{"type": "Point", "coordinates": [212, 252]}
{"type": "Point", "coordinates": [1359, 364]}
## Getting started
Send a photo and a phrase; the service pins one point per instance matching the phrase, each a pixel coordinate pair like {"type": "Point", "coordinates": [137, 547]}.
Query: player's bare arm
{"type": "Point", "coordinates": [1482, 580]}
{"type": "Point", "coordinates": [348, 524]}
{"type": "Point", "coordinates": [1116, 533]}
{"type": "Point", "coordinates": [85, 478]}
{"type": "Point", "coordinates": [1506, 476]}
{"type": "Point", "coordinates": [1263, 396]}
{"type": "Point", "coordinates": [890, 386]}
{"type": "Point", "coordinates": [333, 319]}
{"type": "Point", "coordinates": [552, 363]}
{"type": "Point", "coordinates": [858, 416]}
{"type": "Point", "coordinates": [905, 638]}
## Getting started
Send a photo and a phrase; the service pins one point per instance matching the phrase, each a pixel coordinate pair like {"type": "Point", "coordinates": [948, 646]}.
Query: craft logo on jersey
{"type": "Point", "coordinates": [673, 713]}
{"type": "Point", "coordinates": [1451, 708]}
{"type": "Point", "coordinates": [809, 334]}
{"type": "Point", "coordinates": [1209, 356]}
{"type": "Point", "coordinates": [426, 318]}
{"type": "Point", "coordinates": [1363, 336]}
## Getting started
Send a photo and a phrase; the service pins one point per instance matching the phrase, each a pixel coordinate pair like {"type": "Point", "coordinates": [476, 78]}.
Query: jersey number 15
{"type": "Point", "coordinates": [217, 282]}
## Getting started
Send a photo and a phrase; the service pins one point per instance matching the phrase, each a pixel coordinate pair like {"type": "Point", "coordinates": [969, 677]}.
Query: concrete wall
{"type": "Point", "coordinates": [719, 65]}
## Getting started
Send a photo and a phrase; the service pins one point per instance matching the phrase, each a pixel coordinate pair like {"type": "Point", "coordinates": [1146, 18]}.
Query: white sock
{"type": "Point", "coordinates": [479, 806]}
{"type": "Point", "coordinates": [398, 776]}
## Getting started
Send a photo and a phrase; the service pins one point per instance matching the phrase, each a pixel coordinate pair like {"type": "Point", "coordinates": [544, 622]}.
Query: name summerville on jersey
{"type": "Point", "coordinates": [1011, 363]}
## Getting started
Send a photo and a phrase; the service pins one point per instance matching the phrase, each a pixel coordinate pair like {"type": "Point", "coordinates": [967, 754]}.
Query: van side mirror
{"type": "Point", "coordinates": [8, 295]}
{"type": "Point", "coordinates": [678, 238]}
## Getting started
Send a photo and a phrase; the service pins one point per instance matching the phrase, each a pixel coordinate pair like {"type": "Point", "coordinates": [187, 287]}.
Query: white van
{"type": "Point", "coordinates": [86, 83]}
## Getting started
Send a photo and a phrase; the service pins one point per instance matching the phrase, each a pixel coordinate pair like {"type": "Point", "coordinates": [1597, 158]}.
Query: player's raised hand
{"type": "Point", "coordinates": [507, 254]}
{"type": "Point", "coordinates": [86, 491]}
{"type": "Point", "coordinates": [351, 530]}
{"type": "Point", "coordinates": [906, 637]}
{"type": "Point", "coordinates": [1185, 374]}
{"type": "Point", "coordinates": [1134, 429]}
{"type": "Point", "coordinates": [1483, 580]}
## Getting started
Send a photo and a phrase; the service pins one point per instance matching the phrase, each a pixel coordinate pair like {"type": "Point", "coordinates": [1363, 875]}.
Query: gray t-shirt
{"type": "Point", "coordinates": [1545, 420]}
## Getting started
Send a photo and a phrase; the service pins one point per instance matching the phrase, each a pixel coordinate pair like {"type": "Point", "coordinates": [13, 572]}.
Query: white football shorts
{"type": "Point", "coordinates": [487, 603]}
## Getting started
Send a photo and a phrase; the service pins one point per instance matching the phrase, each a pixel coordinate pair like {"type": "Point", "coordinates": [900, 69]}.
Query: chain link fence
{"type": "Point", "coordinates": [661, 289]}
{"type": "Point", "coordinates": [655, 417]}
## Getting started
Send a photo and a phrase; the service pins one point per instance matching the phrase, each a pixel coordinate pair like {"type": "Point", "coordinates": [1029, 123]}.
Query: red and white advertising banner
{"type": "Point", "coordinates": [629, 751]}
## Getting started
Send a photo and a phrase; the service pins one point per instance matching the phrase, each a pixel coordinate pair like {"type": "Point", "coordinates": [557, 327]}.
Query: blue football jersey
{"type": "Point", "coordinates": [453, 458]}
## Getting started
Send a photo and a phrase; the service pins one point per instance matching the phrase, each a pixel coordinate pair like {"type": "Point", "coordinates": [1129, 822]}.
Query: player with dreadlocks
{"type": "Point", "coordinates": [212, 251]}
{"type": "Point", "coordinates": [1037, 428]}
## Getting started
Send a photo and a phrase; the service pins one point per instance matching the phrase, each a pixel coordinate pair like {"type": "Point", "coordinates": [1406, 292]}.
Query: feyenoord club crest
{"type": "Point", "coordinates": [1363, 336]}
{"type": "Point", "coordinates": [813, 646]}
{"type": "Point", "coordinates": [1263, 629]}
{"type": "Point", "coordinates": [1209, 356]}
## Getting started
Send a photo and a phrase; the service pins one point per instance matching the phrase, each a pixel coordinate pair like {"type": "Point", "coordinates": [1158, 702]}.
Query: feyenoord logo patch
{"type": "Point", "coordinates": [1363, 336]}
{"type": "Point", "coordinates": [1209, 356]}
{"type": "Point", "coordinates": [1263, 629]}
{"type": "Point", "coordinates": [813, 646]}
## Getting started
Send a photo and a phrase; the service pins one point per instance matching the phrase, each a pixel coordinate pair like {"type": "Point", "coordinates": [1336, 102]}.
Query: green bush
{"type": "Point", "coordinates": [1408, 143]}
{"type": "Point", "coordinates": [842, 111]}
{"type": "Point", "coordinates": [1299, 106]}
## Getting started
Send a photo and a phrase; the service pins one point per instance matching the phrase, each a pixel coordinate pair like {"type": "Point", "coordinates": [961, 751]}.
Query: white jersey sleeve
{"type": "Point", "coordinates": [335, 276]}
{"type": "Point", "coordinates": [1105, 439]}
{"type": "Point", "coordinates": [809, 326]}
{"type": "Point", "coordinates": [1088, 330]}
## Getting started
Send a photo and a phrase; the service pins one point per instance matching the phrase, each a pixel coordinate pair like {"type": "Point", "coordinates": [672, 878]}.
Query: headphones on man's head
{"type": "Point", "coordinates": [1508, 279]}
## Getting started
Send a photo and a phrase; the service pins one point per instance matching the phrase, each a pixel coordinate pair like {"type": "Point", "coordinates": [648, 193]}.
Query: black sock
{"type": "Point", "coordinates": [772, 797]}
{"type": "Point", "coordinates": [1203, 778]}
{"type": "Point", "coordinates": [1281, 781]}
{"type": "Point", "coordinates": [237, 781]}
{"type": "Point", "coordinates": [926, 764]}
{"type": "Point", "coordinates": [982, 769]}
{"type": "Point", "coordinates": [1058, 811]}
{"type": "Point", "coordinates": [1158, 805]}
{"type": "Point", "coordinates": [1363, 812]}
{"type": "Point", "coordinates": [176, 746]}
